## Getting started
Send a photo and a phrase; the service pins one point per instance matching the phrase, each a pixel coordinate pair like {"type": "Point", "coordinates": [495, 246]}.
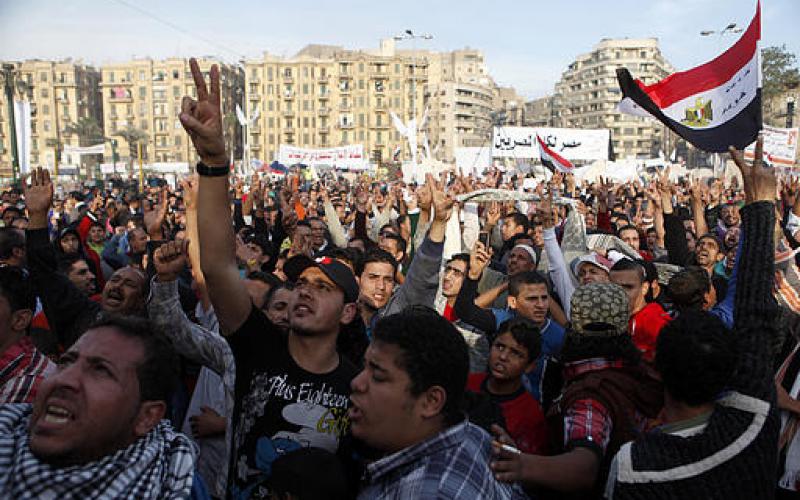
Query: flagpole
{"type": "Point", "coordinates": [141, 168]}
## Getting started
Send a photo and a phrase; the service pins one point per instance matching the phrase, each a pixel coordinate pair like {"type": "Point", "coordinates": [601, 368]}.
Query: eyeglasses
{"type": "Point", "coordinates": [451, 269]}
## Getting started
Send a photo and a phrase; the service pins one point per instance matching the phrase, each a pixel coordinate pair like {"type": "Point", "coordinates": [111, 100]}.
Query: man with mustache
{"type": "Point", "coordinates": [70, 311]}
{"type": "Point", "coordinates": [96, 428]}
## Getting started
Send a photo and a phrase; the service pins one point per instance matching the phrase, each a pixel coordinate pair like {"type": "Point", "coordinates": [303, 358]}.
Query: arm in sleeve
{"type": "Point", "coordinates": [559, 274]}
{"type": "Point", "coordinates": [335, 226]}
{"type": "Point", "coordinates": [361, 226]}
{"type": "Point", "coordinates": [452, 235]}
{"type": "Point", "coordinates": [755, 306]}
{"type": "Point", "coordinates": [422, 280]}
{"type": "Point", "coordinates": [675, 240]}
{"type": "Point", "coordinates": [469, 313]}
{"type": "Point", "coordinates": [472, 226]}
{"type": "Point", "coordinates": [724, 309]}
{"type": "Point", "coordinates": [191, 340]}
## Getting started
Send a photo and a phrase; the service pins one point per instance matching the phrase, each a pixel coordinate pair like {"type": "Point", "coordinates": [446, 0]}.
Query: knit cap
{"type": "Point", "coordinates": [599, 310]}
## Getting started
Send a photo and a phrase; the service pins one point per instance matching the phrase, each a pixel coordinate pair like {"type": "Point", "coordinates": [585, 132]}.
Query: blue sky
{"type": "Point", "coordinates": [527, 44]}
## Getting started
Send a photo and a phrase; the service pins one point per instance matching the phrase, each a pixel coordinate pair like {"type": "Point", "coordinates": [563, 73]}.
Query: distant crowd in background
{"type": "Point", "coordinates": [339, 336]}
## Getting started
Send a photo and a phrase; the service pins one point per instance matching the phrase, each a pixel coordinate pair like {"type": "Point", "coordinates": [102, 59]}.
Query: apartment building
{"type": "Point", "coordinates": [327, 96]}
{"type": "Point", "coordinates": [62, 95]}
{"type": "Point", "coordinates": [142, 101]}
{"type": "Point", "coordinates": [461, 102]}
{"type": "Point", "coordinates": [587, 94]}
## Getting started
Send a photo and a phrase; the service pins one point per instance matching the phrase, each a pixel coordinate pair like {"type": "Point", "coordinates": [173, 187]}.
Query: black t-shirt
{"type": "Point", "coordinates": [280, 407]}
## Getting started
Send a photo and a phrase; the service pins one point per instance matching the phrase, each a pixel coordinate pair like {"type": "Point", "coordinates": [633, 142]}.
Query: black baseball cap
{"type": "Point", "coordinates": [333, 269]}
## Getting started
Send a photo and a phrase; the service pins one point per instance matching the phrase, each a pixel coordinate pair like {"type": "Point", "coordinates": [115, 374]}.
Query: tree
{"type": "Point", "coordinates": [779, 69]}
{"type": "Point", "coordinates": [87, 129]}
{"type": "Point", "coordinates": [133, 136]}
{"type": "Point", "coordinates": [89, 133]}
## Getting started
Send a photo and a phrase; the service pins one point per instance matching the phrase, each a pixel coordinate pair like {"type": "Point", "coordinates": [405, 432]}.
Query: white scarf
{"type": "Point", "coordinates": [158, 465]}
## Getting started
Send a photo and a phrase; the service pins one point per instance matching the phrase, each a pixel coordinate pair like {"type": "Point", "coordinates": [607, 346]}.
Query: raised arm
{"type": "Point", "coordinates": [202, 121]}
{"type": "Point", "coordinates": [755, 306]}
{"type": "Point", "coordinates": [465, 308]}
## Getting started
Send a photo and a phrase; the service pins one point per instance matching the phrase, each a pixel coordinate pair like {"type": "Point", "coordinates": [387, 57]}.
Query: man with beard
{"type": "Point", "coordinates": [96, 427]}
{"type": "Point", "coordinates": [77, 270]}
{"type": "Point", "coordinates": [291, 390]}
{"type": "Point", "coordinates": [68, 310]}
{"type": "Point", "coordinates": [607, 397]}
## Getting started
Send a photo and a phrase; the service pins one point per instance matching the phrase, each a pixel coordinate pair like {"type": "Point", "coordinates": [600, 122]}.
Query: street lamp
{"type": "Point", "coordinates": [409, 35]}
{"type": "Point", "coordinates": [11, 83]}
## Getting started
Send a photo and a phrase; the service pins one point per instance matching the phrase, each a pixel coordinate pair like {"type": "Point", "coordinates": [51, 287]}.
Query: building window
{"type": "Point", "coordinates": [269, 74]}
{"type": "Point", "coordinates": [141, 75]}
{"type": "Point", "coordinates": [397, 68]}
{"type": "Point", "coordinates": [143, 124]}
{"type": "Point", "coordinates": [177, 140]}
{"type": "Point", "coordinates": [306, 139]}
{"type": "Point", "coordinates": [270, 105]}
{"type": "Point", "coordinates": [344, 136]}
{"type": "Point", "coordinates": [305, 74]}
{"type": "Point", "coordinates": [305, 85]}
{"type": "Point", "coordinates": [142, 92]}
{"type": "Point", "coordinates": [361, 67]}
{"type": "Point", "coordinates": [361, 120]}
{"type": "Point", "coordinates": [272, 138]}
{"type": "Point", "coordinates": [271, 122]}
{"type": "Point", "coordinates": [43, 77]}
{"type": "Point", "coordinates": [361, 85]}
{"type": "Point", "coordinates": [45, 109]}
{"type": "Point", "coordinates": [289, 123]}
{"type": "Point", "coordinates": [287, 72]}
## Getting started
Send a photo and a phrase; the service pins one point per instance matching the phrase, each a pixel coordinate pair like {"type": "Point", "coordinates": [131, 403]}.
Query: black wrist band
{"type": "Point", "coordinates": [205, 170]}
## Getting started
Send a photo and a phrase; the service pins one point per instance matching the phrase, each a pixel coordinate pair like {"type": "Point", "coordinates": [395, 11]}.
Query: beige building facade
{"type": "Point", "coordinates": [62, 95]}
{"type": "Point", "coordinates": [327, 96]}
{"type": "Point", "coordinates": [143, 97]}
{"type": "Point", "coordinates": [587, 94]}
{"type": "Point", "coordinates": [461, 102]}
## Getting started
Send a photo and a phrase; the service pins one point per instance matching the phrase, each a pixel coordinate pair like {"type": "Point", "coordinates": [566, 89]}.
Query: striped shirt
{"type": "Point", "coordinates": [452, 464]}
{"type": "Point", "coordinates": [22, 369]}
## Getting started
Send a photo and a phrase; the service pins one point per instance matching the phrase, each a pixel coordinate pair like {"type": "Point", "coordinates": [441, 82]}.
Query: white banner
{"type": "Point", "coordinates": [351, 157]}
{"type": "Point", "coordinates": [22, 120]}
{"type": "Point", "coordinates": [570, 143]}
{"type": "Point", "coordinates": [473, 160]}
{"type": "Point", "coordinates": [780, 146]}
{"type": "Point", "coordinates": [97, 149]}
{"type": "Point", "coordinates": [108, 168]}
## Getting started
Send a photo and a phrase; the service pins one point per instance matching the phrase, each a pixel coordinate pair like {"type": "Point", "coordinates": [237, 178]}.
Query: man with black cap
{"type": "Point", "coordinates": [291, 390]}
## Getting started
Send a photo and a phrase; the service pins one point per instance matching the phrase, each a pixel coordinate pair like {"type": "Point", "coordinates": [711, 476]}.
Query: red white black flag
{"type": "Point", "coordinates": [712, 106]}
{"type": "Point", "coordinates": [551, 159]}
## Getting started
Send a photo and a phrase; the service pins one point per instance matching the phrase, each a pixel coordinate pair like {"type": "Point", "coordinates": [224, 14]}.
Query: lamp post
{"type": "Point", "coordinates": [410, 35]}
{"type": "Point", "coordinates": [10, 84]}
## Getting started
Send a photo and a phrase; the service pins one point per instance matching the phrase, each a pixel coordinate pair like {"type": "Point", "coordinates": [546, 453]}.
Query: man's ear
{"type": "Point", "coordinates": [512, 302]}
{"type": "Point", "coordinates": [645, 288]}
{"type": "Point", "coordinates": [431, 402]}
{"type": "Point", "coordinates": [150, 414]}
{"type": "Point", "coordinates": [21, 319]}
{"type": "Point", "coordinates": [348, 313]}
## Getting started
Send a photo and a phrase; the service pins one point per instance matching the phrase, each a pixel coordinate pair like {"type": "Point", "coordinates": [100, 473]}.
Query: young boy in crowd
{"type": "Point", "coordinates": [514, 352]}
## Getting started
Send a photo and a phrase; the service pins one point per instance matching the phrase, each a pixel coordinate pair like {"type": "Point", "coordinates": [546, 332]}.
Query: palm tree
{"type": "Point", "coordinates": [132, 136]}
{"type": "Point", "coordinates": [89, 133]}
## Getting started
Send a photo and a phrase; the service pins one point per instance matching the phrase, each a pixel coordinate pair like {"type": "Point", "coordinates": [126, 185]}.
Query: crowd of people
{"type": "Point", "coordinates": [350, 337]}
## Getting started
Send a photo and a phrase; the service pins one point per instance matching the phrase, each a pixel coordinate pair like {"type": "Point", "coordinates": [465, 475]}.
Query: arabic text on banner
{"type": "Point", "coordinates": [780, 146]}
{"type": "Point", "coordinates": [569, 143]}
{"type": "Point", "coordinates": [351, 156]}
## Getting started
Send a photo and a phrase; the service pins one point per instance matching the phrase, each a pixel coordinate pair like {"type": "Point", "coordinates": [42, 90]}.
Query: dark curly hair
{"type": "Point", "coordinates": [696, 357]}
{"type": "Point", "coordinates": [158, 371]}
{"type": "Point", "coordinates": [432, 353]}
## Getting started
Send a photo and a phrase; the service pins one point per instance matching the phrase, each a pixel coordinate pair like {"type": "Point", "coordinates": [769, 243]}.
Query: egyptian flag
{"type": "Point", "coordinates": [712, 106]}
{"type": "Point", "coordinates": [551, 159]}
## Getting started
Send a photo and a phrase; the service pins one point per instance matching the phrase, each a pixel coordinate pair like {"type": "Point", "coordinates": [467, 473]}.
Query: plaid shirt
{"type": "Point", "coordinates": [588, 421]}
{"type": "Point", "coordinates": [22, 369]}
{"type": "Point", "coordinates": [452, 464]}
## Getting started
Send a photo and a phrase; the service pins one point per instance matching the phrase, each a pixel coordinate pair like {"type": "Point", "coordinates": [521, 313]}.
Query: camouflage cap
{"type": "Point", "coordinates": [600, 310]}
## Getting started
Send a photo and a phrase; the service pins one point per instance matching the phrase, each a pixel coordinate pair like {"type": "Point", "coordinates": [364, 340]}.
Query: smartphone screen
{"type": "Point", "coordinates": [483, 237]}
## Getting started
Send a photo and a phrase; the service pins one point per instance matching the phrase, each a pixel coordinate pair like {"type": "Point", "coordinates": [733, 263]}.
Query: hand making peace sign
{"type": "Point", "coordinates": [202, 118]}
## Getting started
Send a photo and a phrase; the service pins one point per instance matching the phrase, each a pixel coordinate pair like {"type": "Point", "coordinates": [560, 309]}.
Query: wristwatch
{"type": "Point", "coordinates": [205, 170]}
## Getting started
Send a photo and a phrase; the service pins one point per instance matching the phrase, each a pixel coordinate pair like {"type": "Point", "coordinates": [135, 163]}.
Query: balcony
{"type": "Point", "coordinates": [254, 96]}
{"type": "Point", "coordinates": [287, 112]}
{"type": "Point", "coordinates": [288, 95]}
{"type": "Point", "coordinates": [379, 126]}
{"type": "Point", "coordinates": [324, 129]}
{"type": "Point", "coordinates": [323, 111]}
{"type": "Point", "coordinates": [121, 98]}
{"type": "Point", "coordinates": [322, 79]}
{"type": "Point", "coordinates": [379, 75]}
{"type": "Point", "coordinates": [347, 125]}
{"type": "Point", "coordinates": [344, 106]}
{"type": "Point", "coordinates": [287, 78]}
{"type": "Point", "coordinates": [324, 96]}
